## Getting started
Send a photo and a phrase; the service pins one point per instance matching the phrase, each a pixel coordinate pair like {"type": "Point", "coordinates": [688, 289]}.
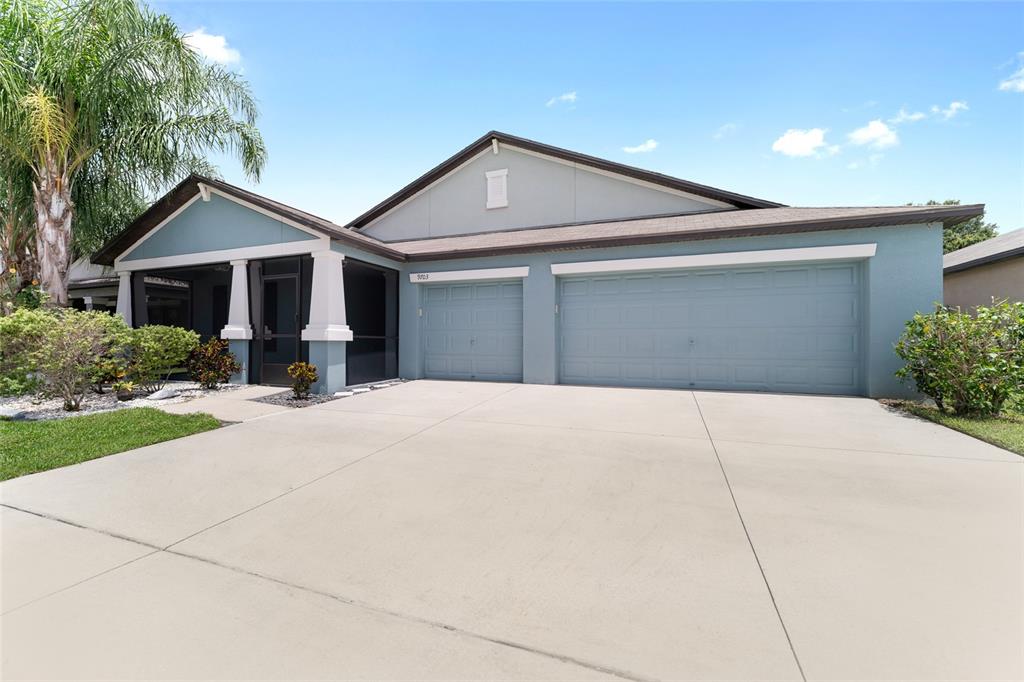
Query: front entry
{"type": "Point", "coordinates": [279, 336]}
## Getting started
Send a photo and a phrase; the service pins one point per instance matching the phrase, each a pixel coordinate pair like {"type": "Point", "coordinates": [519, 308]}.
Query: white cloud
{"type": "Point", "coordinates": [1015, 81]}
{"type": "Point", "coordinates": [876, 134]}
{"type": "Point", "coordinates": [797, 142]}
{"type": "Point", "coordinates": [905, 116]}
{"type": "Point", "coordinates": [643, 147]}
{"type": "Point", "coordinates": [564, 98]}
{"type": "Point", "coordinates": [952, 110]}
{"type": "Point", "coordinates": [213, 47]}
{"type": "Point", "coordinates": [725, 130]}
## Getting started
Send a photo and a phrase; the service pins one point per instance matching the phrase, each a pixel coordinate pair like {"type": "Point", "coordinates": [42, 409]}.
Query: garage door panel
{"type": "Point", "coordinates": [473, 330]}
{"type": "Point", "coordinates": [839, 276]}
{"type": "Point", "coordinates": [794, 328]}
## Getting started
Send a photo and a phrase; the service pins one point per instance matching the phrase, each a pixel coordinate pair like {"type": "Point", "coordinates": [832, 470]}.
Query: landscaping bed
{"type": "Point", "coordinates": [38, 408]}
{"type": "Point", "coordinates": [32, 446]}
{"type": "Point", "coordinates": [1005, 430]}
{"type": "Point", "coordinates": [288, 399]}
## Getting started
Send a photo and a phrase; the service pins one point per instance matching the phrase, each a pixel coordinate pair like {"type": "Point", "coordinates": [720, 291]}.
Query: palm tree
{"type": "Point", "coordinates": [108, 91]}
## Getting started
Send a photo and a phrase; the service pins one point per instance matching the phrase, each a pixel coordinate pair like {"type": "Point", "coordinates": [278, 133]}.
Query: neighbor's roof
{"type": "Point", "coordinates": [650, 230]}
{"type": "Point", "coordinates": [1009, 245]}
{"type": "Point", "coordinates": [685, 227]}
{"type": "Point", "coordinates": [447, 166]}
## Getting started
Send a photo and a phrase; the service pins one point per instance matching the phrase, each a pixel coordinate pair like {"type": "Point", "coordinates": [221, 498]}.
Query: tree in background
{"type": "Point", "coordinates": [966, 233]}
{"type": "Point", "coordinates": [103, 100]}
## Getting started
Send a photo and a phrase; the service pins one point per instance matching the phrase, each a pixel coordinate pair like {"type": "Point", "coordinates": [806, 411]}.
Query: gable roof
{"type": "Point", "coordinates": [166, 205]}
{"type": "Point", "coordinates": [444, 168]}
{"type": "Point", "coordinates": [645, 230]}
{"type": "Point", "coordinates": [1001, 247]}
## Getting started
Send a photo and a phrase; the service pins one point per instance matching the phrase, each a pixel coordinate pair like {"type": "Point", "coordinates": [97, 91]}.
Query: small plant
{"type": "Point", "coordinates": [303, 376]}
{"type": "Point", "coordinates": [971, 364]}
{"type": "Point", "coordinates": [123, 389]}
{"type": "Point", "coordinates": [211, 363]}
{"type": "Point", "coordinates": [158, 350]}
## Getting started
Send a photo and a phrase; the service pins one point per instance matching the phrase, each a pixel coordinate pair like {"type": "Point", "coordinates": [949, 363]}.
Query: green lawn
{"type": "Point", "coordinates": [1006, 430]}
{"type": "Point", "coordinates": [30, 446]}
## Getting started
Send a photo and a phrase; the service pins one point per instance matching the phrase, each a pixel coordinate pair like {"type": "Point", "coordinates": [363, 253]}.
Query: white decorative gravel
{"type": "Point", "coordinates": [38, 407]}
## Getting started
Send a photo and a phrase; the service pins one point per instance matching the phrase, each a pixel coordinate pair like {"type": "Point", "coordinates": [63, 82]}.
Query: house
{"type": "Point", "coordinates": [91, 286]}
{"type": "Point", "coordinates": [976, 274]}
{"type": "Point", "coordinates": [518, 261]}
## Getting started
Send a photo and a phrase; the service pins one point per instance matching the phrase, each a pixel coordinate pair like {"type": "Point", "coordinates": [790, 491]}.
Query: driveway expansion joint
{"type": "Point", "coordinates": [564, 658]}
{"type": "Point", "coordinates": [750, 540]}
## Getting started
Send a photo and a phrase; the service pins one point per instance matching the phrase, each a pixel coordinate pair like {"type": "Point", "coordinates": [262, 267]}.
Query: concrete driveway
{"type": "Point", "coordinates": [471, 530]}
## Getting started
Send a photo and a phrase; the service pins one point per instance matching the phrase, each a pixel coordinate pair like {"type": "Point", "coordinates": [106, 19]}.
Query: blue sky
{"type": "Point", "coordinates": [797, 103]}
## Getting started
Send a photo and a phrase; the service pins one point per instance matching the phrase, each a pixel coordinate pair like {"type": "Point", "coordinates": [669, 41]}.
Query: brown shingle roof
{"type": "Point", "coordinates": [1009, 245]}
{"type": "Point", "coordinates": [679, 228]}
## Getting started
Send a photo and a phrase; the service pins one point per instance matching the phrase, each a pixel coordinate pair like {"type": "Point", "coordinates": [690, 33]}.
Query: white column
{"type": "Point", "coordinates": [238, 326]}
{"type": "Point", "coordinates": [87, 300]}
{"type": "Point", "coordinates": [124, 297]}
{"type": "Point", "coordinates": [327, 300]}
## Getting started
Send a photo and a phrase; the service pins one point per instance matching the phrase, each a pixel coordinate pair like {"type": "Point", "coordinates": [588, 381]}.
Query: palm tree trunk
{"type": "Point", "coordinates": [54, 212]}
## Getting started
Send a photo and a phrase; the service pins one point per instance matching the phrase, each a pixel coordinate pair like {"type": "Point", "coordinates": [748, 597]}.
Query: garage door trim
{"type": "Point", "coordinates": [726, 259]}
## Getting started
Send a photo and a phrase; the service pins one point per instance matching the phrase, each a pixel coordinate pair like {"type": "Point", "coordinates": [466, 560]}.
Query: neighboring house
{"type": "Point", "coordinates": [92, 287]}
{"type": "Point", "coordinates": [517, 261]}
{"type": "Point", "coordinates": [994, 268]}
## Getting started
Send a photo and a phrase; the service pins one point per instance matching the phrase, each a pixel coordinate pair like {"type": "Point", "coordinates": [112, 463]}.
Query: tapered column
{"type": "Point", "coordinates": [327, 300]}
{"type": "Point", "coordinates": [124, 297]}
{"type": "Point", "coordinates": [327, 331]}
{"type": "Point", "coordinates": [238, 326]}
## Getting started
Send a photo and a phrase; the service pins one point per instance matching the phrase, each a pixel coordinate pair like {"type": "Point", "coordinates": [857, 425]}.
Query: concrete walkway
{"type": "Point", "coordinates": [479, 531]}
{"type": "Point", "coordinates": [230, 406]}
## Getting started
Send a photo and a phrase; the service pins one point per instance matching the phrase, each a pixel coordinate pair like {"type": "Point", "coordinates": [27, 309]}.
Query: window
{"type": "Point", "coordinates": [497, 188]}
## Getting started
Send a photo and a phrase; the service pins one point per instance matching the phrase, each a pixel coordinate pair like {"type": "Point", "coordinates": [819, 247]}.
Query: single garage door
{"type": "Point", "coordinates": [795, 328]}
{"type": "Point", "coordinates": [473, 330]}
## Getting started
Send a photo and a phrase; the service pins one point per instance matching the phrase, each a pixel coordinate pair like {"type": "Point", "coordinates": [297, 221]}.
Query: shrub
{"type": "Point", "coordinates": [68, 351]}
{"type": "Point", "coordinates": [112, 365]}
{"type": "Point", "coordinates": [21, 332]}
{"type": "Point", "coordinates": [971, 364]}
{"type": "Point", "coordinates": [158, 350]}
{"type": "Point", "coordinates": [303, 376]}
{"type": "Point", "coordinates": [211, 363]}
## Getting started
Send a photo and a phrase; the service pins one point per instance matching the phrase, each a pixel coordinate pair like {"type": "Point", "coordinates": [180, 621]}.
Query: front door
{"type": "Point", "coordinates": [280, 333]}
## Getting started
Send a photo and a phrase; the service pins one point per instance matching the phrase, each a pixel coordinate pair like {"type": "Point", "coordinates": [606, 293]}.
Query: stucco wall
{"type": "Point", "coordinates": [213, 226]}
{"type": "Point", "coordinates": [541, 191]}
{"type": "Point", "coordinates": [904, 277]}
{"type": "Point", "coordinates": [977, 286]}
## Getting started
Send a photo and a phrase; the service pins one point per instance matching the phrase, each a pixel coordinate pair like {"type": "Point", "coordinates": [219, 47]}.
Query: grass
{"type": "Point", "coordinates": [1006, 430]}
{"type": "Point", "coordinates": [30, 446]}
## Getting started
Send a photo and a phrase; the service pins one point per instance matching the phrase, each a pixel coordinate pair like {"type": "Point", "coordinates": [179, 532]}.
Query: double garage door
{"type": "Point", "coordinates": [794, 328]}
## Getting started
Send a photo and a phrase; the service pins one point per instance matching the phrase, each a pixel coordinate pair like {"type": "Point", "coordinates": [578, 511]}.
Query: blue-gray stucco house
{"type": "Point", "coordinates": [517, 261]}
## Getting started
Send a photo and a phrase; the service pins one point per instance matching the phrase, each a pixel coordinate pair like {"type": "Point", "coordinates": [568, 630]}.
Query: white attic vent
{"type": "Point", "coordinates": [497, 188]}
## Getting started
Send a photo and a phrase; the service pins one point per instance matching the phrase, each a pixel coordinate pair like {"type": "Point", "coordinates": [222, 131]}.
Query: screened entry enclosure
{"type": "Point", "coordinates": [198, 298]}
